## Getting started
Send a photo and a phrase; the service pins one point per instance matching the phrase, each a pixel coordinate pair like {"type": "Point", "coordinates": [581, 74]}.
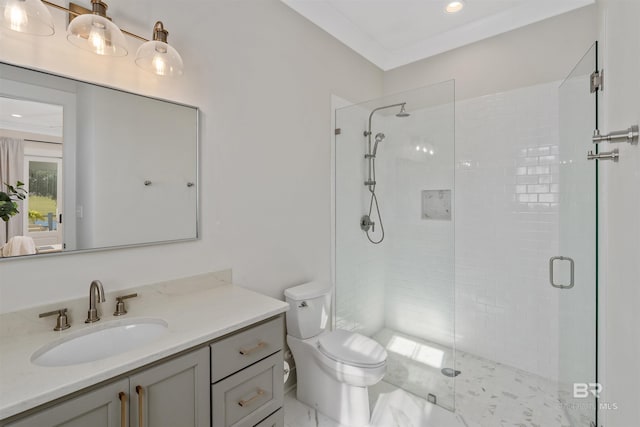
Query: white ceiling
{"type": "Point", "coordinates": [37, 117]}
{"type": "Point", "coordinates": [391, 33]}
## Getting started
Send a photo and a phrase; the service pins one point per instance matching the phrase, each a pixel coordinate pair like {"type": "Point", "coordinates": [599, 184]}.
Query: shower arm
{"type": "Point", "coordinates": [370, 182]}
{"type": "Point", "coordinates": [368, 133]}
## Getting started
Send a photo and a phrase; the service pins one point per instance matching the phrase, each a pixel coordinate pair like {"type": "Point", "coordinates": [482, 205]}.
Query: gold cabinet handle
{"type": "Point", "coordinates": [248, 351]}
{"type": "Point", "coordinates": [123, 409]}
{"type": "Point", "coordinates": [259, 393]}
{"type": "Point", "coordinates": [140, 391]}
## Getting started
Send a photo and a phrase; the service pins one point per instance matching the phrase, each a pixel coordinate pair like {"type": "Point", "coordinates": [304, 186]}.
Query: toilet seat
{"type": "Point", "coordinates": [352, 348]}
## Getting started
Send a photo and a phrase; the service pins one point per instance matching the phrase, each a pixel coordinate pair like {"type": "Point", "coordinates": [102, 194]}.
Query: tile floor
{"type": "Point", "coordinates": [487, 394]}
{"type": "Point", "coordinates": [399, 409]}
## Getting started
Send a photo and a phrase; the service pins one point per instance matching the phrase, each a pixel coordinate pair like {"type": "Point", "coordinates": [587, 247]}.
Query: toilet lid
{"type": "Point", "coordinates": [352, 348]}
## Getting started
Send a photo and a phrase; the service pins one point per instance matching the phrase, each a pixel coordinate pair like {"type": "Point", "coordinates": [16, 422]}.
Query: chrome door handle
{"type": "Point", "coordinates": [571, 275]}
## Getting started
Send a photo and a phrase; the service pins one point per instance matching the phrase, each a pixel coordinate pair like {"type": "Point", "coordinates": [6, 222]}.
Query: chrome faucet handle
{"type": "Point", "coordinates": [120, 308]}
{"type": "Point", "coordinates": [63, 321]}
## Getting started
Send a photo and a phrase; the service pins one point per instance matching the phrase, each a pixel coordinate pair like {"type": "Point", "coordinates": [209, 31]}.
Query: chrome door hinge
{"type": "Point", "coordinates": [338, 131]}
{"type": "Point", "coordinates": [629, 135]}
{"type": "Point", "coordinates": [597, 81]}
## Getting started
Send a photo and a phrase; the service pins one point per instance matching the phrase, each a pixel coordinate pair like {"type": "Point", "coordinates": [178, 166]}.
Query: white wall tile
{"type": "Point", "coordinates": [506, 228]}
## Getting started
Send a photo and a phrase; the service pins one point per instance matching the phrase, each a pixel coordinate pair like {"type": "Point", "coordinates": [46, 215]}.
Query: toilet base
{"type": "Point", "coordinates": [344, 403]}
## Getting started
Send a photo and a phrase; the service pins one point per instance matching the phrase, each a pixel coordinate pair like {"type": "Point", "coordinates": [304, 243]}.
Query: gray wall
{"type": "Point", "coordinates": [263, 77]}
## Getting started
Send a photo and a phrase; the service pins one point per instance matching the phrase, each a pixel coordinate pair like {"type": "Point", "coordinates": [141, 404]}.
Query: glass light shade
{"type": "Point", "coordinates": [159, 58]}
{"type": "Point", "coordinates": [26, 16]}
{"type": "Point", "coordinates": [97, 34]}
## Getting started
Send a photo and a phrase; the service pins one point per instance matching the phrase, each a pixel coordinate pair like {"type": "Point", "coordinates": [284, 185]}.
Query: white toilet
{"type": "Point", "coordinates": [334, 368]}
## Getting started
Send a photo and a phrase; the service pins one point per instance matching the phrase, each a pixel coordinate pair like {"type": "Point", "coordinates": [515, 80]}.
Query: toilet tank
{"type": "Point", "coordinates": [310, 309]}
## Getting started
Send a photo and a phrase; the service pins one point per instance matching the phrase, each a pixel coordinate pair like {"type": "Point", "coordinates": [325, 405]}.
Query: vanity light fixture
{"type": "Point", "coordinates": [454, 6]}
{"type": "Point", "coordinates": [97, 34]}
{"type": "Point", "coordinates": [157, 57]}
{"type": "Point", "coordinates": [94, 31]}
{"type": "Point", "coordinates": [27, 16]}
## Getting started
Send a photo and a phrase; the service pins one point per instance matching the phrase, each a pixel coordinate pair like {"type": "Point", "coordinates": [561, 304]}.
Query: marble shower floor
{"type": "Point", "coordinates": [487, 394]}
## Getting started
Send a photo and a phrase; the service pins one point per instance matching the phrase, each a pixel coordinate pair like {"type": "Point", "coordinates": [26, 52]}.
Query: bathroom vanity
{"type": "Point", "coordinates": [218, 364]}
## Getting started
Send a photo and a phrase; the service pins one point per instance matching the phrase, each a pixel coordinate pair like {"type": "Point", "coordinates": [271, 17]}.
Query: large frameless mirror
{"type": "Point", "coordinates": [86, 167]}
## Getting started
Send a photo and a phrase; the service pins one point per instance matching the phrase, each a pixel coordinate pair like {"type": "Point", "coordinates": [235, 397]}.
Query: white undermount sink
{"type": "Point", "coordinates": [100, 341]}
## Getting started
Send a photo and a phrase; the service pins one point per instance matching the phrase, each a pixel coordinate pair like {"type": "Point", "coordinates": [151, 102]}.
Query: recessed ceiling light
{"type": "Point", "coordinates": [17, 116]}
{"type": "Point", "coordinates": [454, 6]}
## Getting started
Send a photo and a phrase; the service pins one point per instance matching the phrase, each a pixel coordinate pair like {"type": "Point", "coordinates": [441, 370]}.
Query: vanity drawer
{"type": "Point", "coordinates": [231, 354]}
{"type": "Point", "coordinates": [246, 398]}
{"type": "Point", "coordinates": [274, 420]}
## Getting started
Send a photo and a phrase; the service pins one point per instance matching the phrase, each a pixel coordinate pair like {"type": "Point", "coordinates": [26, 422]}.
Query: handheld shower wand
{"type": "Point", "coordinates": [379, 138]}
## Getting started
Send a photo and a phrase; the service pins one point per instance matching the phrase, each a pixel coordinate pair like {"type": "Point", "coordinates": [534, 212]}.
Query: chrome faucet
{"type": "Point", "coordinates": [95, 289]}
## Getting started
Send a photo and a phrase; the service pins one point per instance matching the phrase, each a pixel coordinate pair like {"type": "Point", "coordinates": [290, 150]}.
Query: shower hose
{"type": "Point", "coordinates": [374, 200]}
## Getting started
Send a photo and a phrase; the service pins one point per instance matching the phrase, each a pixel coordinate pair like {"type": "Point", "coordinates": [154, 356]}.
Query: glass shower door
{"type": "Point", "coordinates": [395, 271]}
{"type": "Point", "coordinates": [574, 270]}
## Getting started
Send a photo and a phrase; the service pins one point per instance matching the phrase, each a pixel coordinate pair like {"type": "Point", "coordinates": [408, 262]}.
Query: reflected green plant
{"type": "Point", "coordinates": [9, 200]}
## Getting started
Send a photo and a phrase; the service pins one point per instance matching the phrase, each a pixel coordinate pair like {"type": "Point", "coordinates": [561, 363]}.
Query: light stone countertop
{"type": "Point", "coordinates": [197, 309]}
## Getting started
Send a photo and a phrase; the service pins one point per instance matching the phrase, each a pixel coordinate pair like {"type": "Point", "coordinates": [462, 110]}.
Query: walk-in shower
{"type": "Point", "coordinates": [366, 222]}
{"type": "Point", "coordinates": [503, 173]}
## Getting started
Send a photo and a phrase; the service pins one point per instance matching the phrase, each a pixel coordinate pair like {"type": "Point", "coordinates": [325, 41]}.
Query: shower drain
{"type": "Point", "coordinates": [450, 372]}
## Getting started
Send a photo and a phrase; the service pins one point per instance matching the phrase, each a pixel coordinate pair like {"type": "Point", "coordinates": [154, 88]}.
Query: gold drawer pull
{"type": "Point", "coordinates": [140, 391]}
{"type": "Point", "coordinates": [123, 409]}
{"type": "Point", "coordinates": [259, 393]}
{"type": "Point", "coordinates": [248, 351]}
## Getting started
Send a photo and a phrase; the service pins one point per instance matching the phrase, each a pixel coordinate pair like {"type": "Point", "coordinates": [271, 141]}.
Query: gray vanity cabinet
{"type": "Point", "coordinates": [98, 408]}
{"type": "Point", "coordinates": [274, 420]}
{"type": "Point", "coordinates": [235, 381]}
{"type": "Point", "coordinates": [172, 393]}
{"type": "Point", "coordinates": [175, 393]}
{"type": "Point", "coordinates": [246, 375]}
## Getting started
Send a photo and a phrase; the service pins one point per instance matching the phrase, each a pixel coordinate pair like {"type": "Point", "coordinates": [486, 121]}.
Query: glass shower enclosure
{"type": "Point", "coordinates": [394, 241]}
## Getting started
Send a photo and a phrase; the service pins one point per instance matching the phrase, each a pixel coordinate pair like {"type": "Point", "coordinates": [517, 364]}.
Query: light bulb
{"type": "Point", "coordinates": [159, 65]}
{"type": "Point", "coordinates": [26, 16]}
{"type": "Point", "coordinates": [96, 40]}
{"type": "Point", "coordinates": [16, 16]}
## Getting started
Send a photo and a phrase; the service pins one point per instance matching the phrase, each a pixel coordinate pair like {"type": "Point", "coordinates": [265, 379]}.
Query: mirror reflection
{"type": "Point", "coordinates": [85, 167]}
{"type": "Point", "coordinates": [31, 153]}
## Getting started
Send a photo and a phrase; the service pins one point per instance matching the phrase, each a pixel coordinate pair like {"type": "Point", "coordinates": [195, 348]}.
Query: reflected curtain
{"type": "Point", "coordinates": [11, 171]}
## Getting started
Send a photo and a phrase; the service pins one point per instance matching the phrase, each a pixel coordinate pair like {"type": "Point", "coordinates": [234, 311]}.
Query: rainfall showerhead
{"type": "Point", "coordinates": [403, 112]}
